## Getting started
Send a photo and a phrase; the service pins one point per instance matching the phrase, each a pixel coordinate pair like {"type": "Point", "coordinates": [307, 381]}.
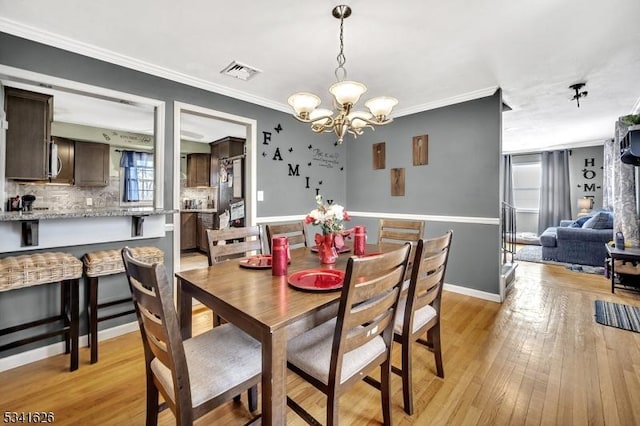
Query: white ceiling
{"type": "Point", "coordinates": [426, 53]}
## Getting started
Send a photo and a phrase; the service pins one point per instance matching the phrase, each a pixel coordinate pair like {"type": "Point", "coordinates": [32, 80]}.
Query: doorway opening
{"type": "Point", "coordinates": [214, 185]}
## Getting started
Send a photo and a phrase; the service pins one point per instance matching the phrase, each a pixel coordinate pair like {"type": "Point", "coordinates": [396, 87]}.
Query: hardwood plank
{"type": "Point", "coordinates": [539, 358]}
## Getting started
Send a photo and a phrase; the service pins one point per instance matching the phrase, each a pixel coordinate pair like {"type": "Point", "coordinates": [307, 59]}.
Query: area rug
{"type": "Point", "coordinates": [618, 315]}
{"type": "Point", "coordinates": [534, 254]}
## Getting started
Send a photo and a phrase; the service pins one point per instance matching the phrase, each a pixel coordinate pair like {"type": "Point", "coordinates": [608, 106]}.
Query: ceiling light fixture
{"type": "Point", "coordinates": [578, 94]}
{"type": "Point", "coordinates": [346, 94]}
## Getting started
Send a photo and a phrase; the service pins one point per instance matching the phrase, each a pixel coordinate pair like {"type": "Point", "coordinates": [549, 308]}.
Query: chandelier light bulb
{"type": "Point", "coordinates": [320, 116]}
{"type": "Point", "coordinates": [347, 92]}
{"type": "Point", "coordinates": [381, 106]}
{"type": "Point", "coordinates": [356, 117]}
{"type": "Point", "coordinates": [303, 103]}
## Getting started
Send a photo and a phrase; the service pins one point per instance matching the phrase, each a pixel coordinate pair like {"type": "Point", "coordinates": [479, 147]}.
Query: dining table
{"type": "Point", "coordinates": [267, 307]}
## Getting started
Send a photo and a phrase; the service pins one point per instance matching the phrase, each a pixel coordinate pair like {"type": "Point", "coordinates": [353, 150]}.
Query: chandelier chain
{"type": "Point", "coordinates": [341, 57]}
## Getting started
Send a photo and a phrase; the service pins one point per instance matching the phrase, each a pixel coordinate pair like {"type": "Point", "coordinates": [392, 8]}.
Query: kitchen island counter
{"type": "Point", "coordinates": [46, 229]}
{"type": "Point", "coordinates": [80, 213]}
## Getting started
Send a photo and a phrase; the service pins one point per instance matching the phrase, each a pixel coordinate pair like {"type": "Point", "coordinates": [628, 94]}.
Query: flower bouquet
{"type": "Point", "coordinates": [330, 218]}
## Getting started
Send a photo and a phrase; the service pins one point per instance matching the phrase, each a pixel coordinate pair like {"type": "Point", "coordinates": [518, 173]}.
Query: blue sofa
{"type": "Point", "coordinates": [572, 244]}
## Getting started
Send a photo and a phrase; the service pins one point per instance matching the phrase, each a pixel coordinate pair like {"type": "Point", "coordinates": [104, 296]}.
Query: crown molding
{"type": "Point", "coordinates": [464, 97]}
{"type": "Point", "coordinates": [570, 145]}
{"type": "Point", "coordinates": [55, 40]}
{"type": "Point", "coordinates": [65, 43]}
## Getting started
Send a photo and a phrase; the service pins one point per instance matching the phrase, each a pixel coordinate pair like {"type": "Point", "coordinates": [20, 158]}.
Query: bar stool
{"type": "Point", "coordinates": [46, 268]}
{"type": "Point", "coordinates": [109, 262]}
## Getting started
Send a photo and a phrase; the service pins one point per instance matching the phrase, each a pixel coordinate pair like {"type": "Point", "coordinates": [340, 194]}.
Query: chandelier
{"type": "Point", "coordinates": [346, 94]}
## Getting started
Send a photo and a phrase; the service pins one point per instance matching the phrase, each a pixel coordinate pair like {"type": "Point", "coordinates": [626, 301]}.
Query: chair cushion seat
{"type": "Point", "coordinates": [311, 353]}
{"type": "Point", "coordinates": [420, 317]}
{"type": "Point", "coordinates": [218, 360]}
{"type": "Point", "coordinates": [39, 268]}
{"type": "Point", "coordinates": [109, 262]}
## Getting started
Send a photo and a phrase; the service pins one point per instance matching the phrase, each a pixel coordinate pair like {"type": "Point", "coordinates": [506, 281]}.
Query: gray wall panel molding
{"type": "Point", "coordinates": [429, 218]}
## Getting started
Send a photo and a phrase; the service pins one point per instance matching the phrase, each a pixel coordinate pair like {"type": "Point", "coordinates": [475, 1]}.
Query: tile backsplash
{"type": "Point", "coordinates": [67, 197]}
{"type": "Point", "coordinates": [203, 196]}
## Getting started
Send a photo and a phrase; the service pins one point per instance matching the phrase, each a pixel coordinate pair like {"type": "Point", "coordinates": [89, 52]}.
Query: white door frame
{"type": "Point", "coordinates": [250, 172]}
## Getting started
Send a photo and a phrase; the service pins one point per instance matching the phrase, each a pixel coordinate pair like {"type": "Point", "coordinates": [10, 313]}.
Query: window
{"type": "Point", "coordinates": [526, 186]}
{"type": "Point", "coordinates": [137, 177]}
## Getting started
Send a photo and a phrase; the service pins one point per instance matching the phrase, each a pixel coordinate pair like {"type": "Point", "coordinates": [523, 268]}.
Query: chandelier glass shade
{"type": "Point", "coordinates": [346, 94]}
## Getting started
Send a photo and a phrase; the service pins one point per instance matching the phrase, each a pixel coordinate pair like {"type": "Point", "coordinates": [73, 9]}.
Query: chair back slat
{"type": "Point", "coordinates": [158, 321]}
{"type": "Point", "coordinates": [222, 242]}
{"type": "Point", "coordinates": [437, 244]}
{"type": "Point", "coordinates": [376, 298]}
{"type": "Point", "coordinates": [428, 289]}
{"type": "Point", "coordinates": [145, 296]}
{"type": "Point", "coordinates": [360, 336]}
{"type": "Point", "coordinates": [295, 233]}
{"type": "Point", "coordinates": [242, 247]}
{"type": "Point", "coordinates": [368, 303]}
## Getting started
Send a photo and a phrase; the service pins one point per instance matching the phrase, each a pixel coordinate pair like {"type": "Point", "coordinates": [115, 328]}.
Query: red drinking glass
{"type": "Point", "coordinates": [279, 256]}
{"type": "Point", "coordinates": [359, 240]}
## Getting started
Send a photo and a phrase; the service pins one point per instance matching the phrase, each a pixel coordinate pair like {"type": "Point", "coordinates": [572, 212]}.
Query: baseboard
{"type": "Point", "coordinates": [54, 349]}
{"type": "Point", "coordinates": [472, 292]}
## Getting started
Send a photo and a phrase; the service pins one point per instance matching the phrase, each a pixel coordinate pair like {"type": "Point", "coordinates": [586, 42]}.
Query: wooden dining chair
{"type": "Point", "coordinates": [419, 309]}
{"type": "Point", "coordinates": [337, 354]}
{"type": "Point", "coordinates": [225, 243]}
{"type": "Point", "coordinates": [295, 232]}
{"type": "Point", "coordinates": [401, 231]}
{"type": "Point", "coordinates": [195, 375]}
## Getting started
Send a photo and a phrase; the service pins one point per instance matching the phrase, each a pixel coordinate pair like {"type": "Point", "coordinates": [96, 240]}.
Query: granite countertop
{"type": "Point", "coordinates": [198, 211]}
{"type": "Point", "coordinates": [77, 213]}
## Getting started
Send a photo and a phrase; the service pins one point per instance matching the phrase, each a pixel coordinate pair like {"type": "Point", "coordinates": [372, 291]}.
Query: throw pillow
{"type": "Point", "coordinates": [601, 220]}
{"type": "Point", "coordinates": [579, 222]}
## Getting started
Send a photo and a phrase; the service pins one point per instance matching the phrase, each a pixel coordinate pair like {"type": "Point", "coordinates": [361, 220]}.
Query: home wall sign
{"type": "Point", "coordinates": [312, 169]}
{"type": "Point", "coordinates": [589, 173]}
{"type": "Point", "coordinates": [420, 150]}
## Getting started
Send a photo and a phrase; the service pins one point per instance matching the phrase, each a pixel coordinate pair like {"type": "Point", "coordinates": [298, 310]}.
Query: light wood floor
{"type": "Point", "coordinates": [539, 358]}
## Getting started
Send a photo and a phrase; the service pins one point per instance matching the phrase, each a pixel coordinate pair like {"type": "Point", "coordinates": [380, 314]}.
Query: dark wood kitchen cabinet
{"type": "Point", "coordinates": [188, 229]}
{"type": "Point", "coordinates": [91, 164]}
{"type": "Point", "coordinates": [65, 160]}
{"type": "Point", "coordinates": [29, 115]}
{"type": "Point", "coordinates": [227, 147]}
{"type": "Point", "coordinates": [198, 170]}
{"type": "Point", "coordinates": [205, 221]}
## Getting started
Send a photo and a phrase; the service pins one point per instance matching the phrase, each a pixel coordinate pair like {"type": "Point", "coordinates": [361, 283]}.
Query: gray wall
{"type": "Point", "coordinates": [460, 179]}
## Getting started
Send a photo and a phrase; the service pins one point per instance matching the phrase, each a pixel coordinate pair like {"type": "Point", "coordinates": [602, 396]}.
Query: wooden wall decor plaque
{"type": "Point", "coordinates": [420, 150]}
{"type": "Point", "coordinates": [397, 182]}
{"type": "Point", "coordinates": [379, 156]}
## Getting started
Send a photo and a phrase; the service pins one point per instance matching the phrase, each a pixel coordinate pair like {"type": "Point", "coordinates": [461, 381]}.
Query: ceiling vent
{"type": "Point", "coordinates": [238, 70]}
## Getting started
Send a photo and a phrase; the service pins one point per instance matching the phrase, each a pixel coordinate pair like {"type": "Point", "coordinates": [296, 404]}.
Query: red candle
{"type": "Point", "coordinates": [359, 240]}
{"type": "Point", "coordinates": [279, 256]}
